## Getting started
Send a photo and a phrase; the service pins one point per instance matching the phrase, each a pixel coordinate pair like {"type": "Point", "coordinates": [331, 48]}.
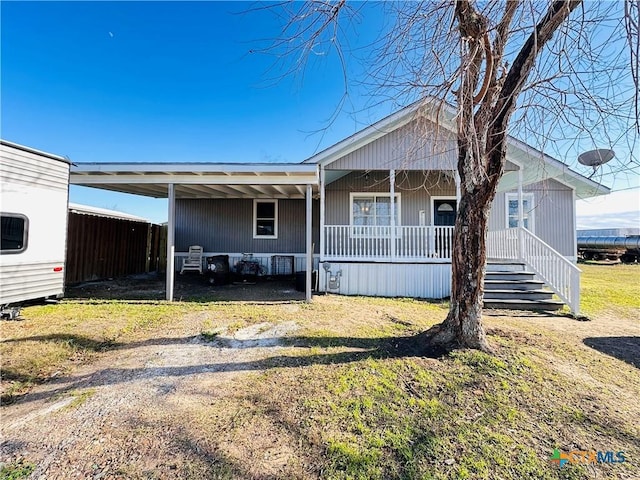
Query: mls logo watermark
{"type": "Point", "coordinates": [585, 457]}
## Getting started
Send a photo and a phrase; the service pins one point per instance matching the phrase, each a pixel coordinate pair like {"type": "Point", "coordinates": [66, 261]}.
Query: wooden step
{"type": "Point", "coordinates": [521, 275]}
{"type": "Point", "coordinates": [512, 285]}
{"type": "Point", "coordinates": [518, 295]}
{"type": "Point", "coordinates": [545, 305]}
{"type": "Point", "coordinates": [504, 266]}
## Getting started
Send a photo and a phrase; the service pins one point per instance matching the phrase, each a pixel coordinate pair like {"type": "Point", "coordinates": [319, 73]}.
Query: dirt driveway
{"type": "Point", "coordinates": [95, 422]}
{"type": "Point", "coordinates": [176, 404]}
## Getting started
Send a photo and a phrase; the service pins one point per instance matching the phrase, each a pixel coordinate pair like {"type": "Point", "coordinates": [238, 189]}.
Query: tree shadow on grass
{"type": "Point", "coordinates": [626, 349]}
{"type": "Point", "coordinates": [359, 349]}
{"type": "Point", "coordinates": [70, 339]}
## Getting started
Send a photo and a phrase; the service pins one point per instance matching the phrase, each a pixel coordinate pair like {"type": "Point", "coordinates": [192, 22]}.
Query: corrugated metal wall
{"type": "Point", "coordinates": [158, 249]}
{"type": "Point", "coordinates": [101, 247]}
{"type": "Point", "coordinates": [226, 225]}
{"type": "Point", "coordinates": [415, 188]}
{"type": "Point", "coordinates": [415, 146]}
{"type": "Point", "coordinates": [391, 280]}
{"type": "Point", "coordinates": [554, 221]}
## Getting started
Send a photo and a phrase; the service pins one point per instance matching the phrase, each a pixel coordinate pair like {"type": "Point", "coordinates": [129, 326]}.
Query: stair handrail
{"type": "Point", "coordinates": [560, 274]}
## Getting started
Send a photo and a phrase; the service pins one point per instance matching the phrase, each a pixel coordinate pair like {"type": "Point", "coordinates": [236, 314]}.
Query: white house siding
{"type": "Point", "coordinates": [415, 188]}
{"type": "Point", "coordinates": [34, 185]}
{"type": "Point", "coordinates": [226, 225]}
{"type": "Point", "coordinates": [554, 214]}
{"type": "Point", "coordinates": [391, 279]}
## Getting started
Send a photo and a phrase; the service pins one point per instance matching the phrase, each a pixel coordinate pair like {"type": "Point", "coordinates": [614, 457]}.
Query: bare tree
{"type": "Point", "coordinates": [515, 66]}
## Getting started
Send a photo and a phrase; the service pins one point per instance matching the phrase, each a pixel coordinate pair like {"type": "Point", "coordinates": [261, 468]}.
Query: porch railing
{"type": "Point", "coordinates": [562, 276]}
{"type": "Point", "coordinates": [379, 243]}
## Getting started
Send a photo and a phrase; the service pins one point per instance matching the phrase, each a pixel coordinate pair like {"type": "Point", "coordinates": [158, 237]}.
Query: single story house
{"type": "Point", "coordinates": [374, 213]}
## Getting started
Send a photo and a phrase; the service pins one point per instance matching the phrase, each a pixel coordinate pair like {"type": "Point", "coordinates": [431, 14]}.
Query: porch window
{"type": "Point", "coordinates": [527, 210]}
{"type": "Point", "coordinates": [373, 210]}
{"type": "Point", "coordinates": [265, 219]}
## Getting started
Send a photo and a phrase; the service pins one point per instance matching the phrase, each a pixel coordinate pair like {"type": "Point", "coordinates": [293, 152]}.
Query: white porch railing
{"type": "Point", "coordinates": [383, 244]}
{"type": "Point", "coordinates": [562, 276]}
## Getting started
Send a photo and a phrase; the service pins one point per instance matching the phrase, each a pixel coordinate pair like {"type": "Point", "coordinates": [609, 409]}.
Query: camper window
{"type": "Point", "coordinates": [14, 232]}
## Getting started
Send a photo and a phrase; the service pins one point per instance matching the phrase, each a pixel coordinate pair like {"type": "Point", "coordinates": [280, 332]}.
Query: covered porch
{"type": "Point", "coordinates": [256, 184]}
{"type": "Point", "coordinates": [390, 233]}
{"type": "Point", "coordinates": [387, 216]}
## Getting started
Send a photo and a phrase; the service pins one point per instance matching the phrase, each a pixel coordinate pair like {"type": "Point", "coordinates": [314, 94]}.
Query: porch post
{"type": "Point", "coordinates": [574, 227]}
{"type": "Point", "coordinates": [309, 246]}
{"type": "Point", "coordinates": [322, 233]}
{"type": "Point", "coordinates": [171, 242]}
{"type": "Point", "coordinates": [520, 216]}
{"type": "Point", "coordinates": [392, 192]}
{"type": "Point", "coordinates": [456, 176]}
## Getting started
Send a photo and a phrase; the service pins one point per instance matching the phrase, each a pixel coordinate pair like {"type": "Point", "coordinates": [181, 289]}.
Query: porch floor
{"type": "Point", "coordinates": [190, 287]}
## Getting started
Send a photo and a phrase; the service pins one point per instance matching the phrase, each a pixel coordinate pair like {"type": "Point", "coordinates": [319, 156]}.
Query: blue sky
{"type": "Point", "coordinates": [174, 82]}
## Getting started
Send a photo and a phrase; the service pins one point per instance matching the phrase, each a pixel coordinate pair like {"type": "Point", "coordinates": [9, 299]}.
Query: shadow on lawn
{"type": "Point", "coordinates": [626, 349]}
{"type": "Point", "coordinates": [188, 288]}
{"type": "Point", "coordinates": [362, 348]}
{"type": "Point", "coordinates": [86, 343]}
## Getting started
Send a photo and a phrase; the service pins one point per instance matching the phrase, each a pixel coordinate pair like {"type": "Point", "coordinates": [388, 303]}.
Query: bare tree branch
{"type": "Point", "coordinates": [554, 73]}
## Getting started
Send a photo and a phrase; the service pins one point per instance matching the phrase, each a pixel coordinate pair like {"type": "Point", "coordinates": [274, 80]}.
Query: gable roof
{"type": "Point", "coordinates": [536, 165]}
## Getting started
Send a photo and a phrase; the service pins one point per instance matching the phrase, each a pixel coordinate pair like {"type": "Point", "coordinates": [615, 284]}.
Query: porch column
{"type": "Point", "coordinates": [322, 233]}
{"type": "Point", "coordinates": [171, 230]}
{"type": "Point", "coordinates": [309, 245]}
{"type": "Point", "coordinates": [456, 176]}
{"type": "Point", "coordinates": [392, 192]}
{"type": "Point", "coordinates": [520, 216]}
{"type": "Point", "coordinates": [574, 227]}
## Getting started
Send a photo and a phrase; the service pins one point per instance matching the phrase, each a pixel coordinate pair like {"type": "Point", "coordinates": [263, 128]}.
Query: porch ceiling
{"type": "Point", "coordinates": [199, 180]}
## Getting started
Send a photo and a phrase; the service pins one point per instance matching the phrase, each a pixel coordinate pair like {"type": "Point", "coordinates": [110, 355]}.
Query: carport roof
{"type": "Point", "coordinates": [199, 180]}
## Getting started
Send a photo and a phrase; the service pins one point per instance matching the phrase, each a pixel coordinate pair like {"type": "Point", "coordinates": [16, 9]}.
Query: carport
{"type": "Point", "coordinates": [206, 180]}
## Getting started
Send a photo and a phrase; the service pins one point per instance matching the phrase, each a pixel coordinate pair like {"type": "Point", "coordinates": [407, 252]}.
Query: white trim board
{"type": "Point", "coordinates": [255, 219]}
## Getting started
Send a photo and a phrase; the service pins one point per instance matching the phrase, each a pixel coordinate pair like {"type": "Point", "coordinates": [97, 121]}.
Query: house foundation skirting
{"type": "Point", "coordinates": [424, 280]}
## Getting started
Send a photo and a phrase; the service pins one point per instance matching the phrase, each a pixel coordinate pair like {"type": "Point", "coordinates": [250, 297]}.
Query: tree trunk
{"type": "Point", "coordinates": [482, 136]}
{"type": "Point", "coordinates": [463, 327]}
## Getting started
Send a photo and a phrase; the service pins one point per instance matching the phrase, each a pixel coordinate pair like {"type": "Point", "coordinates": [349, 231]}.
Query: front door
{"type": "Point", "coordinates": [444, 215]}
{"type": "Point", "coordinates": [444, 212]}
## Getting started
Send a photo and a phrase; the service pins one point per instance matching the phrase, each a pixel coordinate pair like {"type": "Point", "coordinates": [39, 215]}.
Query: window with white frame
{"type": "Point", "coordinates": [527, 211]}
{"type": "Point", "coordinates": [370, 210]}
{"type": "Point", "coordinates": [265, 218]}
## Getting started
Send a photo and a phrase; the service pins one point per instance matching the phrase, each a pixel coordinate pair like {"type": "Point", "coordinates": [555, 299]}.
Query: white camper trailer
{"type": "Point", "coordinates": [34, 195]}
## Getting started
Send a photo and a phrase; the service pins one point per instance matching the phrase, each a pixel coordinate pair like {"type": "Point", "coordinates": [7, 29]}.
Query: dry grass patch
{"type": "Point", "coordinates": [342, 396]}
{"type": "Point", "coordinates": [468, 415]}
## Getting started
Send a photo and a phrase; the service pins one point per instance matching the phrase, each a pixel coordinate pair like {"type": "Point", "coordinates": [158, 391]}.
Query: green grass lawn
{"type": "Point", "coordinates": [353, 404]}
{"type": "Point", "coordinates": [610, 289]}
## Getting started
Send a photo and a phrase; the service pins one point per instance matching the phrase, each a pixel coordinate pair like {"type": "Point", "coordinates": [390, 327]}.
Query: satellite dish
{"type": "Point", "coordinates": [595, 158]}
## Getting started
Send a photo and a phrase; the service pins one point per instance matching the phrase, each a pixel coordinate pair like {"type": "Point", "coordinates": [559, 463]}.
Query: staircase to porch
{"type": "Point", "coordinates": [508, 285]}
{"type": "Point", "coordinates": [519, 247]}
